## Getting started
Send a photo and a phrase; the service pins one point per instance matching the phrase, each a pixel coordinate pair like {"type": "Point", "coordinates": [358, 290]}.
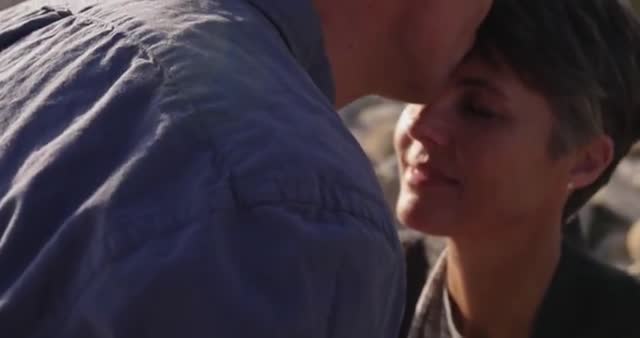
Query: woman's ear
{"type": "Point", "coordinates": [591, 161]}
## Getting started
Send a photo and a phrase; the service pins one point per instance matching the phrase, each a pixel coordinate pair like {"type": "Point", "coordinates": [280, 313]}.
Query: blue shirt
{"type": "Point", "coordinates": [175, 168]}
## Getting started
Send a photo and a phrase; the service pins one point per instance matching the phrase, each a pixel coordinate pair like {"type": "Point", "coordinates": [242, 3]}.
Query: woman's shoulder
{"type": "Point", "coordinates": [588, 298]}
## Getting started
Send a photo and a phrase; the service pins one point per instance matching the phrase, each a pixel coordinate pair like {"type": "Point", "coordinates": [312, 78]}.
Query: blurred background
{"type": "Point", "coordinates": [7, 3]}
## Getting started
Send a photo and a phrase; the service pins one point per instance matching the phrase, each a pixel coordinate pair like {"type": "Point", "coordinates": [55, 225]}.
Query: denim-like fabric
{"type": "Point", "coordinates": [175, 168]}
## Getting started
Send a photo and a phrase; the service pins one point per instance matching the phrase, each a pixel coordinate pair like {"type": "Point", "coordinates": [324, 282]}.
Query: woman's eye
{"type": "Point", "coordinates": [470, 110]}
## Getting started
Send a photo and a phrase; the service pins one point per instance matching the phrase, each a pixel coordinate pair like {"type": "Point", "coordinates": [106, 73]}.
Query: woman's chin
{"type": "Point", "coordinates": [433, 229]}
{"type": "Point", "coordinates": [430, 218]}
{"type": "Point", "coordinates": [435, 224]}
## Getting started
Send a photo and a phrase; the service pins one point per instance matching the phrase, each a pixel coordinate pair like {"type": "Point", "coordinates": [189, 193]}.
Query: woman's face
{"type": "Point", "coordinates": [477, 157]}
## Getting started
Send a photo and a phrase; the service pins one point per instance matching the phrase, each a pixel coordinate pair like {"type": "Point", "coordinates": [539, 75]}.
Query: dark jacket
{"type": "Point", "coordinates": [586, 298]}
{"type": "Point", "coordinates": [175, 168]}
{"type": "Point", "coordinates": [589, 299]}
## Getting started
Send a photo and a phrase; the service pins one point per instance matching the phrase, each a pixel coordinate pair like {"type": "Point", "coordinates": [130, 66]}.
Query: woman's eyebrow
{"type": "Point", "coordinates": [481, 83]}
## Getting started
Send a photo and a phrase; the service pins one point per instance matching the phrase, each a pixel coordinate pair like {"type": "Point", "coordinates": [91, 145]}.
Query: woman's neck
{"type": "Point", "coordinates": [498, 284]}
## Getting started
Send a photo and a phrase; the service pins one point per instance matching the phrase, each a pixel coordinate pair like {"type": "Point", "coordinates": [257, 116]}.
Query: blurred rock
{"type": "Point", "coordinates": [634, 270]}
{"type": "Point", "coordinates": [598, 221]}
{"type": "Point", "coordinates": [609, 215]}
{"type": "Point", "coordinates": [633, 242]}
{"type": "Point", "coordinates": [8, 3]}
{"type": "Point", "coordinates": [360, 114]}
{"type": "Point", "coordinates": [635, 151]}
{"type": "Point", "coordinates": [611, 250]}
{"type": "Point", "coordinates": [373, 127]}
{"type": "Point", "coordinates": [622, 194]}
{"type": "Point", "coordinates": [377, 142]}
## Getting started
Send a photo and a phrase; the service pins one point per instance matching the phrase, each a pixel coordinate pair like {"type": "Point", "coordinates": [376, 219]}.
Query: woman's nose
{"type": "Point", "coordinates": [430, 125]}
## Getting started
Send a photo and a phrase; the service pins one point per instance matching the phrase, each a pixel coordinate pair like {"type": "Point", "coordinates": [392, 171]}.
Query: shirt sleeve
{"type": "Point", "coordinates": [269, 271]}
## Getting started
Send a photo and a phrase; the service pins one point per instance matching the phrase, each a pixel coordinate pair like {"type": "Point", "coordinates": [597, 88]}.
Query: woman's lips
{"type": "Point", "coordinates": [426, 175]}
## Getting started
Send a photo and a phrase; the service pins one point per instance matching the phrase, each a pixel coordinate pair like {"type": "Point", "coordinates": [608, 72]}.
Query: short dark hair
{"type": "Point", "coordinates": [584, 56]}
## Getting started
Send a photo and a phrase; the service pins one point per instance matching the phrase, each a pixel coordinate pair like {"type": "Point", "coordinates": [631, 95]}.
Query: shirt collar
{"type": "Point", "coordinates": [299, 24]}
{"type": "Point", "coordinates": [448, 313]}
{"type": "Point", "coordinates": [430, 317]}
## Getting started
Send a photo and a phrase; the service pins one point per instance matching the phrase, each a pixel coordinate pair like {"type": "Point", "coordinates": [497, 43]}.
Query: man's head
{"type": "Point", "coordinates": [433, 37]}
{"type": "Point", "coordinates": [399, 48]}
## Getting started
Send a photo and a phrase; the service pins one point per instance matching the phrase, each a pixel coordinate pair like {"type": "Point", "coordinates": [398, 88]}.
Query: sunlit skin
{"type": "Point", "coordinates": [405, 49]}
{"type": "Point", "coordinates": [433, 37]}
{"type": "Point", "coordinates": [476, 167]}
{"type": "Point", "coordinates": [478, 156]}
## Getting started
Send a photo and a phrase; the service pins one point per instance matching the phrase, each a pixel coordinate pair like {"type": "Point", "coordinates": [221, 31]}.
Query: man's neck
{"type": "Point", "coordinates": [499, 283]}
{"type": "Point", "coordinates": [349, 77]}
{"type": "Point", "coordinates": [355, 44]}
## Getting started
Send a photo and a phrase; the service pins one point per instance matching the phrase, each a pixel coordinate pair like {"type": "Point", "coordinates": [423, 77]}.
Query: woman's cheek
{"type": "Point", "coordinates": [401, 139]}
{"type": "Point", "coordinates": [407, 120]}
